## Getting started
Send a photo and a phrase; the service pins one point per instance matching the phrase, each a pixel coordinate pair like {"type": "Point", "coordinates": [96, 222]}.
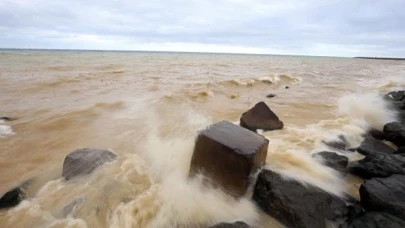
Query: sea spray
{"type": "Point", "coordinates": [366, 110]}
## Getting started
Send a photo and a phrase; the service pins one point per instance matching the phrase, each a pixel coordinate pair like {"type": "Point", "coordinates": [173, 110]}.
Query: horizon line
{"type": "Point", "coordinates": [181, 52]}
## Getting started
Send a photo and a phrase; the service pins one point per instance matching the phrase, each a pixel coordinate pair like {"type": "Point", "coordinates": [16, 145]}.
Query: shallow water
{"type": "Point", "coordinates": [147, 108]}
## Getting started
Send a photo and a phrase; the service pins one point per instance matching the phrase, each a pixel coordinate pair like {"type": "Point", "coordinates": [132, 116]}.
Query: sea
{"type": "Point", "coordinates": [148, 107]}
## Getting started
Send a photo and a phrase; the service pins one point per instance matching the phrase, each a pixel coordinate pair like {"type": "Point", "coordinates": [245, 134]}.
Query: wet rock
{"type": "Point", "coordinates": [377, 134]}
{"type": "Point", "coordinates": [296, 205]}
{"type": "Point", "coordinates": [260, 117]}
{"type": "Point", "coordinates": [352, 150]}
{"type": "Point", "coordinates": [401, 150]}
{"type": "Point", "coordinates": [378, 165]}
{"type": "Point", "coordinates": [287, 87]}
{"type": "Point", "coordinates": [340, 144]}
{"type": "Point", "coordinates": [395, 133]}
{"type": "Point", "coordinates": [395, 96]}
{"type": "Point", "coordinates": [332, 160]}
{"type": "Point", "coordinates": [384, 194]}
{"type": "Point", "coordinates": [5, 118]}
{"type": "Point", "coordinates": [12, 198]}
{"type": "Point", "coordinates": [377, 220]}
{"type": "Point", "coordinates": [354, 210]}
{"type": "Point", "coordinates": [231, 225]}
{"type": "Point", "coordinates": [374, 146]}
{"type": "Point", "coordinates": [73, 206]}
{"type": "Point", "coordinates": [228, 155]}
{"type": "Point", "coordinates": [84, 161]}
{"type": "Point", "coordinates": [271, 95]}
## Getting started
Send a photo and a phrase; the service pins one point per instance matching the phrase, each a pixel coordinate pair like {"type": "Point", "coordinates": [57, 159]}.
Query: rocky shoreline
{"type": "Point", "coordinates": [233, 156]}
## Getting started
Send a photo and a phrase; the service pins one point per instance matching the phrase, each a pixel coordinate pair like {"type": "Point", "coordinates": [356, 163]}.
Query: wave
{"type": "Point", "coordinates": [5, 130]}
{"type": "Point", "coordinates": [272, 79]}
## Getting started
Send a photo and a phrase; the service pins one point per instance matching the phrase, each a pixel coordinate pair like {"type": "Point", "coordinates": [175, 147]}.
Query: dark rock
{"type": "Point", "coordinates": [374, 146]}
{"type": "Point", "coordinates": [378, 165]}
{"type": "Point", "coordinates": [377, 134]}
{"type": "Point", "coordinates": [354, 210]}
{"type": "Point", "coordinates": [352, 149]}
{"type": "Point", "coordinates": [385, 194]}
{"type": "Point", "coordinates": [340, 144]}
{"type": "Point", "coordinates": [296, 205]}
{"type": "Point", "coordinates": [287, 87]}
{"type": "Point", "coordinates": [84, 161]}
{"type": "Point", "coordinates": [395, 133]}
{"type": "Point", "coordinates": [377, 220]}
{"type": "Point", "coordinates": [270, 95]}
{"type": "Point", "coordinates": [401, 150]}
{"type": "Point", "coordinates": [231, 225]}
{"type": "Point", "coordinates": [260, 117]}
{"type": "Point", "coordinates": [395, 96]}
{"type": "Point", "coordinates": [7, 118]}
{"type": "Point", "coordinates": [228, 155]}
{"type": "Point", "coordinates": [333, 160]}
{"type": "Point", "coordinates": [12, 198]}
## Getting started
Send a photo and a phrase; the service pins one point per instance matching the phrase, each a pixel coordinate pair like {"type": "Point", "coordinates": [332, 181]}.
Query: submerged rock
{"type": "Point", "coordinates": [228, 155]}
{"type": "Point", "coordinates": [395, 133]}
{"type": "Point", "coordinates": [395, 96]}
{"type": "Point", "coordinates": [73, 206]}
{"type": "Point", "coordinates": [333, 160]}
{"type": "Point", "coordinates": [84, 161]}
{"type": "Point", "coordinates": [260, 117]}
{"type": "Point", "coordinates": [377, 220]}
{"type": "Point", "coordinates": [385, 194]}
{"type": "Point", "coordinates": [296, 205]}
{"type": "Point", "coordinates": [373, 146]}
{"type": "Point", "coordinates": [7, 118]}
{"type": "Point", "coordinates": [12, 198]}
{"type": "Point", "coordinates": [231, 225]}
{"type": "Point", "coordinates": [378, 165]}
{"type": "Point", "coordinates": [340, 143]}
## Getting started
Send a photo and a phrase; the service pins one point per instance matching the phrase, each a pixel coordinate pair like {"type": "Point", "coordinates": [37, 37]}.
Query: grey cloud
{"type": "Point", "coordinates": [373, 27]}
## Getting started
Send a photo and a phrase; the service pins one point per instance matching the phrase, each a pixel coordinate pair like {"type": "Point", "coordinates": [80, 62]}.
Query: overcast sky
{"type": "Point", "coordinates": [303, 27]}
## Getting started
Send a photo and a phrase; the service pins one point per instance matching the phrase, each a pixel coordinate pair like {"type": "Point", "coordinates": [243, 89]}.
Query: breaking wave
{"type": "Point", "coordinates": [5, 130]}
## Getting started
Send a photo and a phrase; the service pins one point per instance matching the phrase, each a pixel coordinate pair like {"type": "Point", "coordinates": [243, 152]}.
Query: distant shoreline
{"type": "Point", "coordinates": [380, 58]}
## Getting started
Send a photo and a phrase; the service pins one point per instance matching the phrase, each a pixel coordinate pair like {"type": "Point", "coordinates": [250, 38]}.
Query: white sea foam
{"type": "Point", "coordinates": [6, 131]}
{"type": "Point", "coordinates": [366, 110]}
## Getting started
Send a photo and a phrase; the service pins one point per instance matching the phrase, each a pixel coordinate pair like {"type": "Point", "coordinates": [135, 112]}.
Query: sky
{"type": "Point", "coordinates": [293, 27]}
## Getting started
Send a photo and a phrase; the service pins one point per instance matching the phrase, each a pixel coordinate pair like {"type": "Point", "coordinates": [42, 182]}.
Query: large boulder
{"type": "Point", "coordinates": [377, 220]}
{"type": "Point", "coordinates": [12, 198]}
{"type": "Point", "coordinates": [296, 205]}
{"type": "Point", "coordinates": [260, 117]}
{"type": "Point", "coordinates": [373, 146]}
{"type": "Point", "coordinates": [332, 160]}
{"type": "Point", "coordinates": [231, 225]}
{"type": "Point", "coordinates": [384, 194]}
{"type": "Point", "coordinates": [378, 165]}
{"type": "Point", "coordinates": [228, 155]}
{"type": "Point", "coordinates": [395, 133]}
{"type": "Point", "coordinates": [85, 161]}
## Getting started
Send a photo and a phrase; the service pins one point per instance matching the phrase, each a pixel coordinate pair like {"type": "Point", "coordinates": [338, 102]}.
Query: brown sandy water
{"type": "Point", "coordinates": [147, 107]}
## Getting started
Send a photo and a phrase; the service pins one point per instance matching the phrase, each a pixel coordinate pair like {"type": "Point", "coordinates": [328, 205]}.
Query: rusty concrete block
{"type": "Point", "coordinates": [228, 155]}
